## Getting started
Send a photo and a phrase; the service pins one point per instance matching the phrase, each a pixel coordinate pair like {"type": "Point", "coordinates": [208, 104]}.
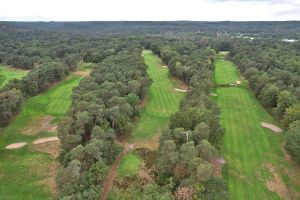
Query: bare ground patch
{"type": "Point", "coordinates": [45, 139]}
{"type": "Point", "coordinates": [180, 84]}
{"type": "Point", "coordinates": [52, 148]}
{"type": "Point", "coordinates": [16, 145]}
{"type": "Point", "coordinates": [217, 164]}
{"type": "Point", "coordinates": [274, 128]}
{"type": "Point", "coordinates": [276, 184]}
{"type": "Point", "coordinates": [164, 66]}
{"type": "Point", "coordinates": [151, 143]}
{"type": "Point", "coordinates": [82, 73]}
{"type": "Point", "coordinates": [39, 124]}
{"type": "Point", "coordinates": [293, 171]}
{"type": "Point", "coordinates": [213, 94]}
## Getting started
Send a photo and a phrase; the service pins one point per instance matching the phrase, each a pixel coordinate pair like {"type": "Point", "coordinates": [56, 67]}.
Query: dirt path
{"type": "Point", "coordinates": [113, 172]}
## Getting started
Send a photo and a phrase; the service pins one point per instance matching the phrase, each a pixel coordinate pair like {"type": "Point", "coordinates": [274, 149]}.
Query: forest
{"type": "Point", "coordinates": [189, 155]}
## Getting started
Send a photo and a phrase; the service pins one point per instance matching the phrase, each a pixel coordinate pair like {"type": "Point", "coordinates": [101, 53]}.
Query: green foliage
{"type": "Point", "coordinates": [214, 189]}
{"type": "Point", "coordinates": [10, 104]}
{"type": "Point", "coordinates": [292, 114]}
{"type": "Point", "coordinates": [293, 140]}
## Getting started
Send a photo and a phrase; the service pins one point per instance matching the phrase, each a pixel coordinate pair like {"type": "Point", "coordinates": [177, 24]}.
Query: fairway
{"type": "Point", "coordinates": [8, 73]}
{"type": "Point", "coordinates": [225, 72]}
{"type": "Point", "coordinates": [162, 100]}
{"type": "Point", "coordinates": [22, 170]}
{"type": "Point", "coordinates": [255, 161]}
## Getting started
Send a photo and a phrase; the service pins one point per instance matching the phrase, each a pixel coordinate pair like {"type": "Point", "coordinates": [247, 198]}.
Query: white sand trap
{"type": "Point", "coordinates": [16, 145]}
{"type": "Point", "coordinates": [179, 90]}
{"type": "Point", "coordinates": [164, 66]}
{"type": "Point", "coordinates": [272, 127]}
{"type": "Point", "coordinates": [213, 94]}
{"type": "Point", "coordinates": [46, 139]}
{"type": "Point", "coordinates": [233, 84]}
{"type": "Point", "coordinates": [238, 82]}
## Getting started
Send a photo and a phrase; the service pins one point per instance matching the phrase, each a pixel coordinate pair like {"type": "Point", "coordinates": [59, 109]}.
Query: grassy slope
{"type": "Point", "coordinates": [248, 148]}
{"type": "Point", "coordinates": [21, 169]}
{"type": "Point", "coordinates": [7, 74]}
{"type": "Point", "coordinates": [162, 101]}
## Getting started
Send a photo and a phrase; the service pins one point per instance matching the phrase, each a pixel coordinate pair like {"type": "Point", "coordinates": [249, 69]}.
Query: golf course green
{"type": "Point", "coordinates": [256, 165]}
{"type": "Point", "coordinates": [24, 171]}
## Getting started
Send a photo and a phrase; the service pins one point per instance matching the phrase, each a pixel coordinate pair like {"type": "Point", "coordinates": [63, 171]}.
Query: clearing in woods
{"type": "Point", "coordinates": [27, 170]}
{"type": "Point", "coordinates": [256, 165]}
{"type": "Point", "coordinates": [162, 100]}
{"type": "Point", "coordinates": [8, 73]}
{"type": "Point", "coordinates": [225, 71]}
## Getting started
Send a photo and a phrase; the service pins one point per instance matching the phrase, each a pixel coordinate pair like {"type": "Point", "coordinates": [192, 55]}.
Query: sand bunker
{"type": "Point", "coordinates": [40, 124]}
{"type": "Point", "coordinates": [238, 82]}
{"type": "Point", "coordinates": [233, 84]}
{"type": "Point", "coordinates": [213, 94]}
{"type": "Point", "coordinates": [16, 145]}
{"type": "Point", "coordinates": [164, 66]}
{"type": "Point", "coordinates": [179, 90]}
{"type": "Point", "coordinates": [274, 128]}
{"type": "Point", "coordinates": [46, 139]}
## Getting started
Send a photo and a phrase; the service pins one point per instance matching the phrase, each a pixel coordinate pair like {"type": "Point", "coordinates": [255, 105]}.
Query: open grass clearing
{"type": "Point", "coordinates": [8, 73]}
{"type": "Point", "coordinates": [30, 170]}
{"type": "Point", "coordinates": [225, 72]}
{"type": "Point", "coordinates": [256, 166]}
{"type": "Point", "coordinates": [129, 165]}
{"type": "Point", "coordinates": [162, 101]}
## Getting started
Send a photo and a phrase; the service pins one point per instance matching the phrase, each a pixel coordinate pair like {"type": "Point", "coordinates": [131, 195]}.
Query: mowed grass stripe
{"type": "Point", "coordinates": [225, 72]}
{"type": "Point", "coordinates": [249, 149]}
{"type": "Point", "coordinates": [162, 100]}
{"type": "Point", "coordinates": [246, 148]}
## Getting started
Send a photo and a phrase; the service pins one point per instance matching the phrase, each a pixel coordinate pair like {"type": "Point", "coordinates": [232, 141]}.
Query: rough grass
{"type": "Point", "coordinates": [225, 72]}
{"type": "Point", "coordinates": [249, 149]}
{"type": "Point", "coordinates": [162, 100]}
{"type": "Point", "coordinates": [129, 165]}
{"type": "Point", "coordinates": [7, 73]}
{"type": "Point", "coordinates": [21, 170]}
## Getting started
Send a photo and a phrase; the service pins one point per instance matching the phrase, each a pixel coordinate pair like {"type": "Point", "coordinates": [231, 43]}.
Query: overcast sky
{"type": "Point", "coordinates": [156, 10]}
